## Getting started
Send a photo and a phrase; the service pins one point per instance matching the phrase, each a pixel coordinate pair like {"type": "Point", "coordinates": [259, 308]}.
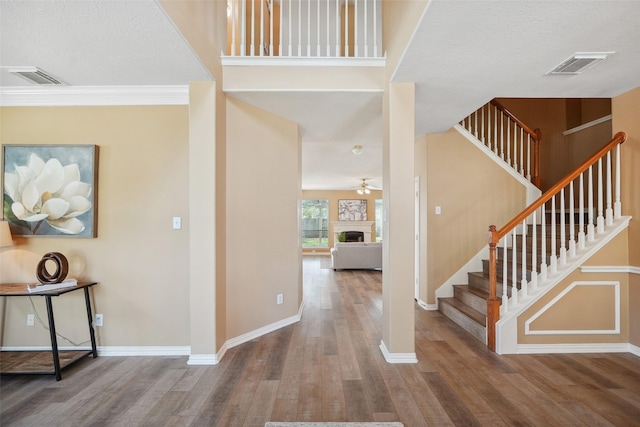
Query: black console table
{"type": "Point", "coordinates": [8, 364]}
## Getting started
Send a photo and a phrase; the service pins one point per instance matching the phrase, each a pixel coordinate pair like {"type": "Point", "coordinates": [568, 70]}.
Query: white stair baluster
{"type": "Point", "coordinates": [337, 24]}
{"type": "Point", "coordinates": [509, 140]}
{"type": "Point", "coordinates": [502, 137]}
{"type": "Point", "coordinates": [617, 207]}
{"type": "Point", "coordinates": [482, 128]}
{"type": "Point", "coordinates": [366, 35]}
{"type": "Point", "coordinates": [308, 27]}
{"type": "Point", "coordinates": [543, 242]}
{"type": "Point", "coordinates": [346, 28]}
{"type": "Point", "coordinates": [534, 253]}
{"type": "Point", "coordinates": [495, 130]}
{"type": "Point", "coordinates": [600, 219]}
{"type": "Point", "coordinates": [252, 45]}
{"type": "Point", "coordinates": [572, 227]}
{"type": "Point", "coordinates": [553, 261]}
{"type": "Point", "coordinates": [514, 270]}
{"type": "Point", "coordinates": [271, 52]}
{"type": "Point", "coordinates": [375, 29]}
{"type": "Point", "coordinates": [528, 157]}
{"type": "Point", "coordinates": [328, 21]}
{"type": "Point", "coordinates": [609, 211]}
{"type": "Point", "coordinates": [243, 29]}
{"type": "Point", "coordinates": [591, 226]}
{"type": "Point", "coordinates": [505, 259]}
{"type": "Point", "coordinates": [290, 29]}
{"type": "Point", "coordinates": [233, 28]}
{"type": "Point", "coordinates": [523, 283]}
{"type": "Point", "coordinates": [581, 234]}
{"type": "Point", "coordinates": [522, 152]}
{"type": "Point", "coordinates": [355, 30]}
{"type": "Point", "coordinates": [563, 247]}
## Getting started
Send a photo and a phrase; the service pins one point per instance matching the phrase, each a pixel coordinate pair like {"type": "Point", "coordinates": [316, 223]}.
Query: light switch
{"type": "Point", "coordinates": [438, 210]}
{"type": "Point", "coordinates": [177, 223]}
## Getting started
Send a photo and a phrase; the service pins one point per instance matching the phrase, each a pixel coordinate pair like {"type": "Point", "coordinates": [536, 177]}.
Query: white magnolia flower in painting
{"type": "Point", "coordinates": [48, 192]}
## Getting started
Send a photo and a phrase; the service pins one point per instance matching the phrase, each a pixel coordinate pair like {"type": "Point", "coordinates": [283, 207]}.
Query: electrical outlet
{"type": "Point", "coordinates": [99, 320]}
{"type": "Point", "coordinates": [31, 320]}
{"type": "Point", "coordinates": [280, 298]}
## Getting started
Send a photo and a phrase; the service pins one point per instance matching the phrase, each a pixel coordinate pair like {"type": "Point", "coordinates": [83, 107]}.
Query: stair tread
{"type": "Point", "coordinates": [471, 313]}
{"type": "Point", "coordinates": [478, 292]}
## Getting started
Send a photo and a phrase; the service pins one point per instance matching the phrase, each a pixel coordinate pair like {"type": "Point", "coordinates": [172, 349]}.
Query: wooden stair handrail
{"type": "Point", "coordinates": [493, 303]}
{"type": "Point", "coordinates": [534, 133]}
{"type": "Point", "coordinates": [536, 136]}
{"type": "Point", "coordinates": [619, 138]}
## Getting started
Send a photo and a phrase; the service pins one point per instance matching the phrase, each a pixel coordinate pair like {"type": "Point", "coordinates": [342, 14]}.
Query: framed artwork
{"type": "Point", "coordinates": [352, 210]}
{"type": "Point", "coordinates": [50, 190]}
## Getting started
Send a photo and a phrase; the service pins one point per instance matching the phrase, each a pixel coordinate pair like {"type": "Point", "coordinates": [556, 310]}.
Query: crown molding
{"type": "Point", "coordinates": [24, 96]}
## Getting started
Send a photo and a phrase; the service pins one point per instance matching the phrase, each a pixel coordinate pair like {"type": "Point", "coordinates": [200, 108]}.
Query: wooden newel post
{"type": "Point", "coordinates": [536, 159]}
{"type": "Point", "coordinates": [493, 303]}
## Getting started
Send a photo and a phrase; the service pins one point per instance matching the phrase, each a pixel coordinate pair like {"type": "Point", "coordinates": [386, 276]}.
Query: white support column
{"type": "Point", "coordinates": [398, 340]}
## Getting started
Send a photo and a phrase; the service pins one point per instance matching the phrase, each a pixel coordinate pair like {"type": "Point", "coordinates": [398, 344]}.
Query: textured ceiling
{"type": "Point", "coordinates": [462, 54]}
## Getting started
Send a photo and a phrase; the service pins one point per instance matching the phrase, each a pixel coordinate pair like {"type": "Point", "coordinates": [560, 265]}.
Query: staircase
{"type": "Point", "coordinates": [468, 306]}
{"type": "Point", "coordinates": [540, 246]}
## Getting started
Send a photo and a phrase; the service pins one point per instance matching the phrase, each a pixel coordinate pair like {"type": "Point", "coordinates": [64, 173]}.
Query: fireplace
{"type": "Point", "coordinates": [353, 236]}
{"type": "Point", "coordinates": [364, 227]}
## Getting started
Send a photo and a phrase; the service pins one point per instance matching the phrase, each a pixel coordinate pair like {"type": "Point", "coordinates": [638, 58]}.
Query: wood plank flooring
{"type": "Point", "coordinates": [328, 367]}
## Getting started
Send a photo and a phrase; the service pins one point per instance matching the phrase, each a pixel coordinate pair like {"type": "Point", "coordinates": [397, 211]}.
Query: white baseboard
{"type": "Point", "coordinates": [265, 329]}
{"type": "Point", "coordinates": [428, 307]}
{"type": "Point", "coordinates": [116, 350]}
{"type": "Point", "coordinates": [634, 349]}
{"type": "Point", "coordinates": [576, 348]}
{"type": "Point", "coordinates": [397, 357]}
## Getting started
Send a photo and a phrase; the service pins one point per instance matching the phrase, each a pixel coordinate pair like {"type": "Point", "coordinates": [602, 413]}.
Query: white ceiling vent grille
{"type": "Point", "coordinates": [35, 75]}
{"type": "Point", "coordinates": [579, 63]}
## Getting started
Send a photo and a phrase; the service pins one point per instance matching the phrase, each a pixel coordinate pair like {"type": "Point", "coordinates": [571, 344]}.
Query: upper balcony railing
{"type": "Point", "coordinates": [304, 28]}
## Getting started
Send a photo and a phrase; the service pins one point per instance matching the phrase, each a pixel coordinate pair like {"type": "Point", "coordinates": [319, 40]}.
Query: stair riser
{"type": "Point", "coordinates": [482, 283]}
{"type": "Point", "coordinates": [475, 329]}
{"type": "Point", "coordinates": [474, 301]}
{"type": "Point", "coordinates": [500, 269]}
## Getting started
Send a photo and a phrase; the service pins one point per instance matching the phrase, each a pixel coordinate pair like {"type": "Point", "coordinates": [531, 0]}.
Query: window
{"type": "Point", "coordinates": [378, 220]}
{"type": "Point", "coordinates": [315, 223]}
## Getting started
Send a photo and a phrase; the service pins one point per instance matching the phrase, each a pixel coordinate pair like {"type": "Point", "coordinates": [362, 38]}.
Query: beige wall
{"type": "Point", "coordinates": [625, 118]}
{"type": "Point", "coordinates": [473, 193]}
{"type": "Point", "coordinates": [333, 196]}
{"type": "Point", "coordinates": [263, 252]}
{"type": "Point", "coordinates": [560, 154]}
{"type": "Point", "coordinates": [590, 295]}
{"type": "Point", "coordinates": [139, 260]}
{"type": "Point", "coordinates": [399, 20]}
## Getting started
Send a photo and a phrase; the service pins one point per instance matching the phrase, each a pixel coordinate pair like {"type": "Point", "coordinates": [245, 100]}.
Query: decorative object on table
{"type": "Point", "coordinates": [5, 235]}
{"type": "Point", "coordinates": [50, 190]}
{"type": "Point", "coordinates": [352, 210]}
{"type": "Point", "coordinates": [62, 268]}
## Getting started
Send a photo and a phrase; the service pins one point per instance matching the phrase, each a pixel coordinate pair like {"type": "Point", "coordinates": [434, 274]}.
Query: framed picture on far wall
{"type": "Point", "coordinates": [352, 210]}
{"type": "Point", "coordinates": [50, 190]}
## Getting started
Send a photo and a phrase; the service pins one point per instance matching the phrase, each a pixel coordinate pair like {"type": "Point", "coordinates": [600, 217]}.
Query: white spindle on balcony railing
{"type": "Point", "coordinates": [510, 139]}
{"type": "Point", "coordinates": [562, 249]}
{"type": "Point", "coordinates": [344, 28]}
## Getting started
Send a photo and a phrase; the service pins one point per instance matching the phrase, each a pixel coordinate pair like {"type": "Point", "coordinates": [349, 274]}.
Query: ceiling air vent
{"type": "Point", "coordinates": [35, 75]}
{"type": "Point", "coordinates": [579, 63]}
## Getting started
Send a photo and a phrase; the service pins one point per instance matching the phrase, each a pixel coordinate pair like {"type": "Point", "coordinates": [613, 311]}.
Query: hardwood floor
{"type": "Point", "coordinates": [329, 367]}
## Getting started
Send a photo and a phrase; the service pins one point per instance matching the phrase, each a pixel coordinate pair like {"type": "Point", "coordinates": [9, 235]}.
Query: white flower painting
{"type": "Point", "coordinates": [49, 190]}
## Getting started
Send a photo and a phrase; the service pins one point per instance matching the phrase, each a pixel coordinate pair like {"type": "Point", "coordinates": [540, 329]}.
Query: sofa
{"type": "Point", "coordinates": [356, 255]}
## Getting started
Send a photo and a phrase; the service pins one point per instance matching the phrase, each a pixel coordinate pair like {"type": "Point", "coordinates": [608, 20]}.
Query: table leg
{"type": "Point", "coordinates": [92, 332]}
{"type": "Point", "coordinates": [54, 339]}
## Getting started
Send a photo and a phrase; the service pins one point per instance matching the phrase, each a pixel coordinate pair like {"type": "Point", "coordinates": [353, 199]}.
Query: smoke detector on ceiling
{"type": "Point", "coordinates": [579, 62]}
{"type": "Point", "coordinates": [35, 75]}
